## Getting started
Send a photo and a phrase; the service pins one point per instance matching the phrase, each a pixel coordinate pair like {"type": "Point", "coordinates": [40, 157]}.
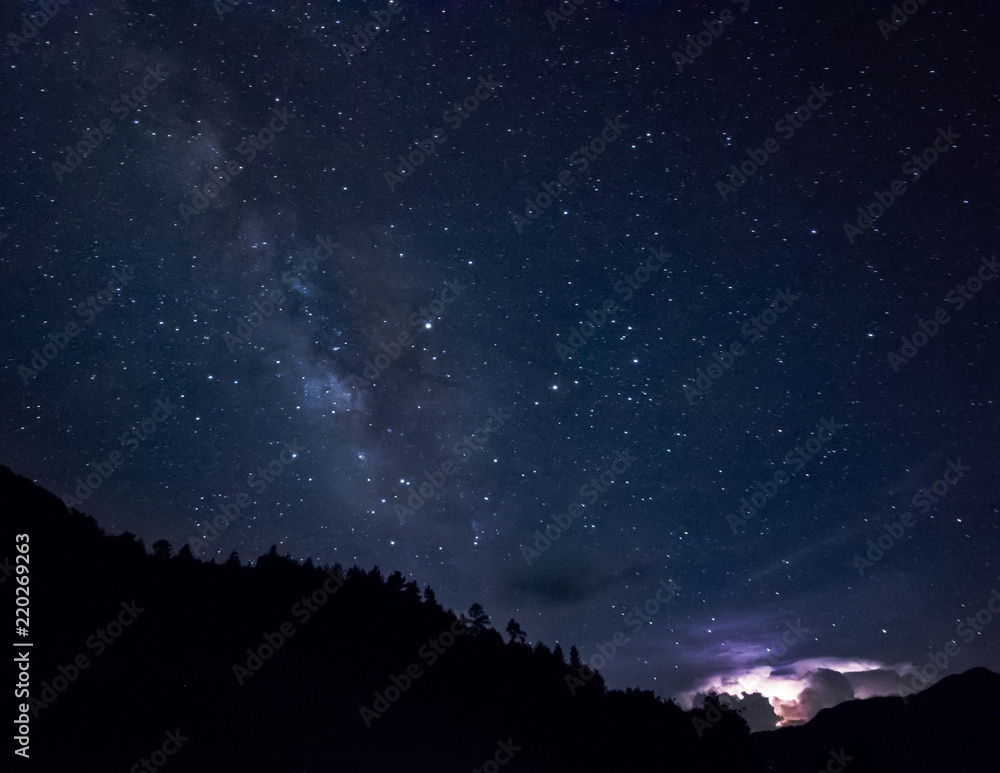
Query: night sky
{"type": "Point", "coordinates": [608, 328]}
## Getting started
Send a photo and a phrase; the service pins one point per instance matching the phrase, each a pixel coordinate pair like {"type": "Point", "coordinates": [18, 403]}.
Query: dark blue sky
{"type": "Point", "coordinates": [412, 287]}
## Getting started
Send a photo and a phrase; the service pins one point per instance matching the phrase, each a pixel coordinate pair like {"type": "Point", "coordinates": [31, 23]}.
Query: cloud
{"type": "Point", "coordinates": [801, 689]}
{"type": "Point", "coordinates": [882, 681]}
{"type": "Point", "coordinates": [556, 581]}
{"type": "Point", "coordinates": [753, 707]}
{"type": "Point", "coordinates": [757, 711]}
{"type": "Point", "coordinates": [826, 688]}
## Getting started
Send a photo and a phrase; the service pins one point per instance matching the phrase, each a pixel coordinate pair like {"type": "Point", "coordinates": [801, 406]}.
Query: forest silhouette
{"type": "Point", "coordinates": [154, 657]}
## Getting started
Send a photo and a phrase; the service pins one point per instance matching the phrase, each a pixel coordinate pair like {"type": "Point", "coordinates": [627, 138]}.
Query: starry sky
{"type": "Point", "coordinates": [622, 318]}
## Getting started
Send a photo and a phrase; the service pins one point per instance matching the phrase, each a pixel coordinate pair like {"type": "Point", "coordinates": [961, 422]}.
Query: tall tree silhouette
{"type": "Point", "coordinates": [430, 598]}
{"type": "Point", "coordinates": [517, 636]}
{"type": "Point", "coordinates": [479, 619]}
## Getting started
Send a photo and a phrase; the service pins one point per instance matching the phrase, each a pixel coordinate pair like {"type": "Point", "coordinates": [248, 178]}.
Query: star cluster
{"type": "Point", "coordinates": [550, 313]}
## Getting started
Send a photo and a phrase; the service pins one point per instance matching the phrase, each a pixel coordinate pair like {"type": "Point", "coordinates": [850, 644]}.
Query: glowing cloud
{"type": "Point", "coordinates": [800, 690]}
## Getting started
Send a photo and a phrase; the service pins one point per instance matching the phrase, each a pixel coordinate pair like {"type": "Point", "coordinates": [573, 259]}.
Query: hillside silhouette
{"type": "Point", "coordinates": [946, 727]}
{"type": "Point", "coordinates": [284, 666]}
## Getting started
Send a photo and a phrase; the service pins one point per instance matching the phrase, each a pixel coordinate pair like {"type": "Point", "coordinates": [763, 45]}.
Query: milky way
{"type": "Point", "coordinates": [411, 297]}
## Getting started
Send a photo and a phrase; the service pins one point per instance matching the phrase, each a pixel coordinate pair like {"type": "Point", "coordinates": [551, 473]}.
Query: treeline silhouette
{"type": "Point", "coordinates": [285, 666]}
{"type": "Point", "coordinates": [171, 668]}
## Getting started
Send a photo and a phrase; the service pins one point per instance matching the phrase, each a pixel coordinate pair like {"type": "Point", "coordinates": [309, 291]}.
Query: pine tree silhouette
{"type": "Point", "coordinates": [479, 619]}
{"type": "Point", "coordinates": [517, 636]}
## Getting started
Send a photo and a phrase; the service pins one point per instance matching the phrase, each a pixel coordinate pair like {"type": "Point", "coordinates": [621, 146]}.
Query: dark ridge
{"type": "Point", "coordinates": [133, 648]}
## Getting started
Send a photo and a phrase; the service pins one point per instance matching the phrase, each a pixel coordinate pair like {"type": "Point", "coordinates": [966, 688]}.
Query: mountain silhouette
{"type": "Point", "coordinates": [946, 727]}
{"type": "Point", "coordinates": [151, 657]}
